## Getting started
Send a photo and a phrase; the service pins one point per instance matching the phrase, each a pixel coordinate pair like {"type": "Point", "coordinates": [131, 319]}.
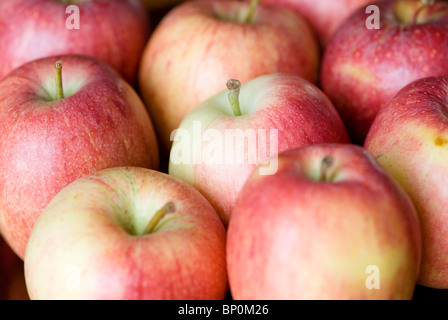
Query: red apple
{"type": "Point", "coordinates": [363, 68]}
{"type": "Point", "coordinates": [323, 15]}
{"type": "Point", "coordinates": [199, 45]}
{"type": "Point", "coordinates": [330, 224]}
{"type": "Point", "coordinates": [47, 142]}
{"type": "Point", "coordinates": [127, 233]}
{"type": "Point", "coordinates": [409, 137]}
{"type": "Point", "coordinates": [216, 149]}
{"type": "Point", "coordinates": [114, 31]}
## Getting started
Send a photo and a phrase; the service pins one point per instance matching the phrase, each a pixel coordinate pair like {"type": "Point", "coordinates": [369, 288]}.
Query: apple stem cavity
{"type": "Point", "coordinates": [58, 78]}
{"type": "Point", "coordinates": [234, 93]}
{"type": "Point", "coordinates": [326, 164]}
{"type": "Point", "coordinates": [251, 12]}
{"type": "Point", "coordinates": [425, 4]}
{"type": "Point", "coordinates": [166, 209]}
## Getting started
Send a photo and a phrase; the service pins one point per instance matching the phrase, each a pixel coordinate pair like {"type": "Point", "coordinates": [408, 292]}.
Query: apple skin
{"type": "Point", "coordinates": [324, 16]}
{"type": "Point", "coordinates": [46, 144]}
{"type": "Point", "coordinates": [199, 45]}
{"type": "Point", "coordinates": [362, 69]}
{"type": "Point", "coordinates": [300, 112]}
{"type": "Point", "coordinates": [84, 236]}
{"type": "Point", "coordinates": [114, 31]}
{"type": "Point", "coordinates": [295, 236]}
{"type": "Point", "coordinates": [409, 138]}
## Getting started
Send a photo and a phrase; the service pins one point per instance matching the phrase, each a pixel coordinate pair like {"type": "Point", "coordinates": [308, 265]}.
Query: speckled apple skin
{"type": "Point", "coordinates": [409, 137]}
{"type": "Point", "coordinates": [44, 144]}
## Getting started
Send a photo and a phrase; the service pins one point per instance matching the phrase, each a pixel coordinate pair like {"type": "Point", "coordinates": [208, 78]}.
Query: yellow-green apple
{"type": "Point", "coordinates": [114, 31]}
{"type": "Point", "coordinates": [409, 137]}
{"type": "Point", "coordinates": [199, 45]}
{"type": "Point", "coordinates": [362, 68]}
{"type": "Point", "coordinates": [127, 233]}
{"type": "Point", "coordinates": [221, 141]}
{"type": "Point", "coordinates": [324, 16]}
{"type": "Point", "coordinates": [58, 124]}
{"type": "Point", "coordinates": [330, 224]}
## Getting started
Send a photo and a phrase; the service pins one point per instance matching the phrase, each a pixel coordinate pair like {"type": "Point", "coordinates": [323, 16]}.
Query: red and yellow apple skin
{"type": "Point", "coordinates": [363, 68]}
{"type": "Point", "coordinates": [114, 31]}
{"type": "Point", "coordinates": [90, 243]}
{"type": "Point", "coordinates": [45, 144]}
{"type": "Point", "coordinates": [310, 232]}
{"type": "Point", "coordinates": [409, 138]}
{"type": "Point", "coordinates": [199, 45]}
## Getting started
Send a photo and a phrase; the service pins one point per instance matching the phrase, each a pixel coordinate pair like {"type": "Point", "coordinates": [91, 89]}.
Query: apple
{"type": "Point", "coordinates": [114, 31]}
{"type": "Point", "coordinates": [363, 68]}
{"type": "Point", "coordinates": [323, 15]}
{"type": "Point", "coordinates": [409, 137]}
{"type": "Point", "coordinates": [221, 141]}
{"type": "Point", "coordinates": [330, 224]}
{"type": "Point", "coordinates": [127, 233]}
{"type": "Point", "coordinates": [199, 45]}
{"type": "Point", "coordinates": [51, 134]}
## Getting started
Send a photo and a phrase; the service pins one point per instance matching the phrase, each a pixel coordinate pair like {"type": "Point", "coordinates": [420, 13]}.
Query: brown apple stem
{"type": "Point", "coordinates": [234, 93]}
{"type": "Point", "coordinates": [166, 209]}
{"type": "Point", "coordinates": [58, 78]}
{"type": "Point", "coordinates": [327, 162]}
{"type": "Point", "coordinates": [425, 4]}
{"type": "Point", "coordinates": [252, 9]}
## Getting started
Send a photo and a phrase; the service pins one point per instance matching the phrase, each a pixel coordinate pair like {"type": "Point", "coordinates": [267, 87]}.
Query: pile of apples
{"type": "Point", "coordinates": [330, 183]}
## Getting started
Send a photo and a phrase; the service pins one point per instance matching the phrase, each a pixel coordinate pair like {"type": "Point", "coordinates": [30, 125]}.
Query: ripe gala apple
{"type": "Point", "coordinates": [330, 224]}
{"type": "Point", "coordinates": [276, 112]}
{"type": "Point", "coordinates": [363, 68]}
{"type": "Point", "coordinates": [127, 233]}
{"type": "Point", "coordinates": [199, 45]}
{"type": "Point", "coordinates": [47, 141]}
{"type": "Point", "coordinates": [409, 137]}
{"type": "Point", "coordinates": [114, 31]}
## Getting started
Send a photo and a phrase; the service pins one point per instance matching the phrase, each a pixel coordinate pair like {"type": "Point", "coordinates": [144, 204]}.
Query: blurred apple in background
{"type": "Point", "coordinates": [330, 224]}
{"type": "Point", "coordinates": [409, 137]}
{"type": "Point", "coordinates": [217, 147]}
{"type": "Point", "coordinates": [363, 68]}
{"type": "Point", "coordinates": [47, 141]}
{"type": "Point", "coordinates": [127, 233]}
{"type": "Point", "coordinates": [199, 45]}
{"type": "Point", "coordinates": [114, 31]}
{"type": "Point", "coordinates": [323, 15]}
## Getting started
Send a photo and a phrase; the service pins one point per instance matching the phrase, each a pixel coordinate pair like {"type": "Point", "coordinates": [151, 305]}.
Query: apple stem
{"type": "Point", "coordinates": [58, 78]}
{"type": "Point", "coordinates": [327, 162]}
{"type": "Point", "coordinates": [234, 93]}
{"type": "Point", "coordinates": [252, 9]}
{"type": "Point", "coordinates": [425, 4]}
{"type": "Point", "coordinates": [166, 209]}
